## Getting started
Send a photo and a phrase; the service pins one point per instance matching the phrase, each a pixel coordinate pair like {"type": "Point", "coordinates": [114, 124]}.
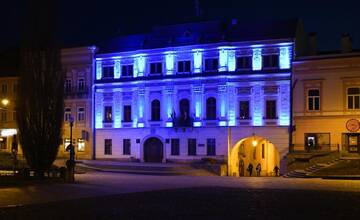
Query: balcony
{"type": "Point", "coordinates": [181, 122]}
{"type": "Point", "coordinates": [76, 92]}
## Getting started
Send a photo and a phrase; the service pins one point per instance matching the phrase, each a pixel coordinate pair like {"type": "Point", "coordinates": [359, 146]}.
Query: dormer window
{"type": "Point", "coordinates": [211, 65]}
{"type": "Point", "coordinates": [108, 72]}
{"type": "Point", "coordinates": [155, 68]}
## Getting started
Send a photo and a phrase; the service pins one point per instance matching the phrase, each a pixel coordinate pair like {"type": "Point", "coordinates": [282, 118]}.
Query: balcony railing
{"type": "Point", "coordinates": [183, 122]}
{"type": "Point", "coordinates": [76, 91]}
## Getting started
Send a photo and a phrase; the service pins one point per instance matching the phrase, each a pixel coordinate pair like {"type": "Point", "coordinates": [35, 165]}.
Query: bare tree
{"type": "Point", "coordinates": [40, 102]}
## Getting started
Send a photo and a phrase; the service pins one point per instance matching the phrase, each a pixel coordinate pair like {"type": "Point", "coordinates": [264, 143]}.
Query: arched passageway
{"type": "Point", "coordinates": [257, 151]}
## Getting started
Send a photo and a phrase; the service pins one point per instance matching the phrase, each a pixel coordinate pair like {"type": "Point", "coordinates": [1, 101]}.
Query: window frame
{"type": "Point", "coordinates": [158, 68]}
{"type": "Point", "coordinates": [81, 114]}
{"type": "Point", "coordinates": [107, 146]}
{"type": "Point", "coordinates": [214, 68]}
{"type": "Point", "coordinates": [108, 118]}
{"type": "Point", "coordinates": [126, 69]}
{"type": "Point", "coordinates": [109, 73]}
{"type": "Point", "coordinates": [155, 110]}
{"type": "Point", "coordinates": [175, 146]}
{"type": "Point", "coordinates": [266, 109]}
{"type": "Point", "coordinates": [127, 114]}
{"type": "Point", "coordinates": [192, 151]}
{"type": "Point", "coordinates": [354, 96]}
{"type": "Point", "coordinates": [126, 146]}
{"type": "Point", "coordinates": [313, 98]}
{"type": "Point", "coordinates": [211, 147]}
{"type": "Point", "coordinates": [183, 64]}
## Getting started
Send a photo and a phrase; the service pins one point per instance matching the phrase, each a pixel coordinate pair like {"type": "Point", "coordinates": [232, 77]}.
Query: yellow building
{"type": "Point", "coordinates": [326, 103]}
{"type": "Point", "coordinates": [78, 65]}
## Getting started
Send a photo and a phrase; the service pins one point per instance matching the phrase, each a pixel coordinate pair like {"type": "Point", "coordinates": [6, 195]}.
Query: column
{"type": "Point", "coordinates": [98, 69]}
{"type": "Point", "coordinates": [117, 109]}
{"type": "Point", "coordinates": [257, 105]}
{"type": "Point", "coordinates": [168, 105]}
{"type": "Point", "coordinates": [256, 59]}
{"type": "Point", "coordinates": [232, 103]}
{"type": "Point", "coordinates": [284, 106]}
{"type": "Point", "coordinates": [99, 109]}
{"type": "Point", "coordinates": [222, 100]}
{"type": "Point", "coordinates": [141, 107]}
{"type": "Point", "coordinates": [197, 99]}
{"type": "Point", "coordinates": [117, 69]}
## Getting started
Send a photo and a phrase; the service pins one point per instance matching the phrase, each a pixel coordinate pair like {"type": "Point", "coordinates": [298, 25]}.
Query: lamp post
{"type": "Point", "coordinates": [71, 162]}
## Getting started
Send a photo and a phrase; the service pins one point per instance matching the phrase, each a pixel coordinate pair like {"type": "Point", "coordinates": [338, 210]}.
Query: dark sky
{"type": "Point", "coordinates": [91, 22]}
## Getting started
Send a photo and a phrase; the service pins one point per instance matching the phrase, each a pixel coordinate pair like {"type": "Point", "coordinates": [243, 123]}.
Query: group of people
{"type": "Point", "coordinates": [258, 169]}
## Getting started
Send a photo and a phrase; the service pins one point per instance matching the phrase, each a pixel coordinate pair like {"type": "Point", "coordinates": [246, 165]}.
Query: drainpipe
{"type": "Point", "coordinates": [228, 151]}
{"type": "Point", "coordinates": [291, 149]}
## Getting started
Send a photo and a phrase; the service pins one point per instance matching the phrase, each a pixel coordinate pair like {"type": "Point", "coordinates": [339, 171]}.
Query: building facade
{"type": "Point", "coordinates": [326, 104]}
{"type": "Point", "coordinates": [77, 64]}
{"type": "Point", "coordinates": [199, 95]}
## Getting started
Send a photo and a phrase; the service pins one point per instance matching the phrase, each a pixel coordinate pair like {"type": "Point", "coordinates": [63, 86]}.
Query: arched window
{"type": "Point", "coordinates": [211, 108]}
{"type": "Point", "coordinates": [155, 110]}
{"type": "Point", "coordinates": [184, 109]}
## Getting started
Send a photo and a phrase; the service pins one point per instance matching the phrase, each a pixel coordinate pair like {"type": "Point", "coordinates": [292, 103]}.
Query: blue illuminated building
{"type": "Point", "coordinates": [189, 91]}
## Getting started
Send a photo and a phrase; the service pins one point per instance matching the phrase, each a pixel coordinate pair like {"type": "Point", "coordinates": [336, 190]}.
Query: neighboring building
{"type": "Point", "coordinates": [78, 66]}
{"type": "Point", "coordinates": [326, 102]}
{"type": "Point", "coordinates": [193, 91]}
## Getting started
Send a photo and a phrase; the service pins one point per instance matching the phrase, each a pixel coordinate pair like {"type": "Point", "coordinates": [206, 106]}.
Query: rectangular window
{"type": "Point", "coordinates": [353, 97]}
{"type": "Point", "coordinates": [108, 114]}
{"type": "Point", "coordinates": [81, 114]}
{"type": "Point", "coordinates": [271, 109]}
{"type": "Point", "coordinates": [4, 88]}
{"type": "Point", "coordinates": [67, 85]}
{"type": "Point", "coordinates": [81, 145]}
{"type": "Point", "coordinates": [108, 72]}
{"type": "Point", "coordinates": [156, 68]}
{"type": "Point", "coordinates": [313, 97]}
{"type": "Point", "coordinates": [108, 147]}
{"type": "Point", "coordinates": [263, 151]}
{"type": "Point", "coordinates": [175, 147]}
{"type": "Point", "coordinates": [127, 113]}
{"type": "Point", "coordinates": [127, 70]}
{"type": "Point", "coordinates": [3, 116]}
{"type": "Point", "coordinates": [270, 61]}
{"type": "Point", "coordinates": [211, 65]}
{"type": "Point", "coordinates": [244, 111]}
{"type": "Point", "coordinates": [191, 146]}
{"type": "Point", "coordinates": [126, 147]}
{"type": "Point", "coordinates": [184, 66]}
{"type": "Point", "coordinates": [67, 114]}
{"type": "Point", "coordinates": [81, 84]}
{"type": "Point", "coordinates": [211, 147]}
{"type": "Point", "coordinates": [243, 62]}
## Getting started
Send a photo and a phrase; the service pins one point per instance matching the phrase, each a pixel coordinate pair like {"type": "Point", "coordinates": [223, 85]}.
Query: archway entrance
{"type": "Point", "coordinates": [153, 150]}
{"type": "Point", "coordinates": [254, 151]}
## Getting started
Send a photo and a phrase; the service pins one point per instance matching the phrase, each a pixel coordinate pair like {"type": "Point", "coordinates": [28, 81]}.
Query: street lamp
{"type": "Point", "coordinates": [71, 162]}
{"type": "Point", "coordinates": [5, 102]}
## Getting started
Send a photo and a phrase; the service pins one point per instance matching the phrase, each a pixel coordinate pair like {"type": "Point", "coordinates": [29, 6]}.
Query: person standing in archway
{"type": "Point", "coordinates": [258, 169]}
{"type": "Point", "coordinates": [241, 168]}
{"type": "Point", "coordinates": [250, 168]}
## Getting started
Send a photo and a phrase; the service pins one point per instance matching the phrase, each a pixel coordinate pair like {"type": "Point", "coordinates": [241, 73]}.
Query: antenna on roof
{"type": "Point", "coordinates": [197, 8]}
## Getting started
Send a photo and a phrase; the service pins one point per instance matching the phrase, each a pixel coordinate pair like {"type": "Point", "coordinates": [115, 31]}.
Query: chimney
{"type": "Point", "coordinates": [312, 48]}
{"type": "Point", "coordinates": [346, 43]}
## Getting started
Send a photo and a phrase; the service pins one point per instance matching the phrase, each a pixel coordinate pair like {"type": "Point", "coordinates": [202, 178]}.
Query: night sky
{"type": "Point", "coordinates": [93, 22]}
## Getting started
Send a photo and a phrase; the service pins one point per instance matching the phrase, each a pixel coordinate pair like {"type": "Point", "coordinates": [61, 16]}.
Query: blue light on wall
{"type": "Point", "coordinates": [231, 60]}
{"type": "Point", "coordinates": [197, 61]}
{"type": "Point", "coordinates": [231, 117]}
{"type": "Point", "coordinates": [223, 58]}
{"type": "Point", "coordinates": [169, 124]}
{"type": "Point", "coordinates": [284, 105]}
{"type": "Point", "coordinates": [140, 125]}
{"type": "Point", "coordinates": [117, 69]}
{"type": "Point", "coordinates": [257, 106]}
{"type": "Point", "coordinates": [256, 59]}
{"type": "Point", "coordinates": [117, 109]}
{"type": "Point", "coordinates": [197, 124]}
{"type": "Point", "coordinates": [222, 123]}
{"type": "Point", "coordinates": [197, 109]}
{"type": "Point", "coordinates": [284, 58]}
{"type": "Point", "coordinates": [98, 70]}
{"type": "Point", "coordinates": [169, 59]}
{"type": "Point", "coordinates": [139, 68]}
{"type": "Point", "coordinates": [98, 110]}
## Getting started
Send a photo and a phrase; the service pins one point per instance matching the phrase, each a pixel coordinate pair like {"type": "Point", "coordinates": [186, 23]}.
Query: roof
{"type": "Point", "coordinates": [202, 33]}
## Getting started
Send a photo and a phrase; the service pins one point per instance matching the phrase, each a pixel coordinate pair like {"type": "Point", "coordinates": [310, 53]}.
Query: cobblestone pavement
{"type": "Point", "coordinates": [93, 184]}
